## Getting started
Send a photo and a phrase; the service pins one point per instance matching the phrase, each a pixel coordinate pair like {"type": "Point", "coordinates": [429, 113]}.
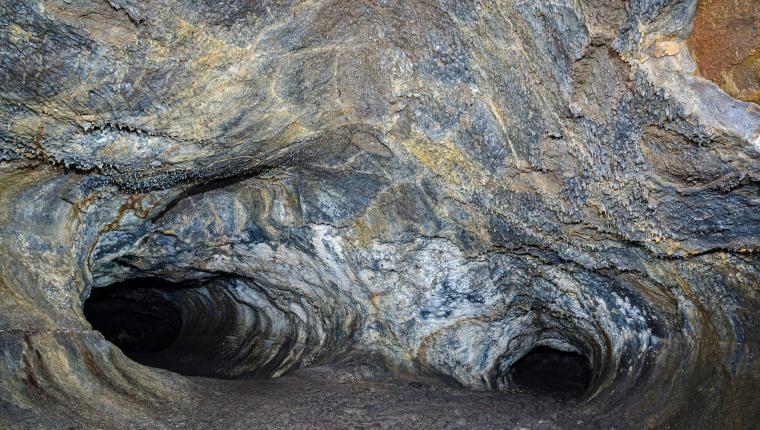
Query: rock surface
{"type": "Point", "coordinates": [726, 44]}
{"type": "Point", "coordinates": [446, 184]}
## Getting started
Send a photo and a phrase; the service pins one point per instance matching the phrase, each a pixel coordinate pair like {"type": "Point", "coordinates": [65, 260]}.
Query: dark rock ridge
{"type": "Point", "coordinates": [460, 189]}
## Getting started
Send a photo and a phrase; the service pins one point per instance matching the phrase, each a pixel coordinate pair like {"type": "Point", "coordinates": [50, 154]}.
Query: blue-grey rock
{"type": "Point", "coordinates": [442, 185]}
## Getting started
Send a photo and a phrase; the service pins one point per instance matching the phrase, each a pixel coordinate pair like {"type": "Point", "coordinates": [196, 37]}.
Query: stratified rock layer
{"type": "Point", "coordinates": [444, 184]}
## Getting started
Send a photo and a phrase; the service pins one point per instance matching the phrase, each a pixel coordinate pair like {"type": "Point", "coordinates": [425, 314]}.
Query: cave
{"type": "Point", "coordinates": [434, 214]}
{"type": "Point", "coordinates": [136, 316]}
{"type": "Point", "coordinates": [548, 371]}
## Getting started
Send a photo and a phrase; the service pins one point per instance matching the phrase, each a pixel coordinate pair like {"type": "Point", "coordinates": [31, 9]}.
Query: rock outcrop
{"type": "Point", "coordinates": [446, 184]}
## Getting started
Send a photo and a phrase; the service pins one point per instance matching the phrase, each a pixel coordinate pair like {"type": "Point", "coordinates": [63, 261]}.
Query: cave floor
{"type": "Point", "coordinates": [326, 397]}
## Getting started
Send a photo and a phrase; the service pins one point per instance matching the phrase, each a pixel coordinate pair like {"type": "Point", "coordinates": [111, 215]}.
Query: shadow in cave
{"type": "Point", "coordinates": [547, 371]}
{"type": "Point", "coordinates": [137, 316]}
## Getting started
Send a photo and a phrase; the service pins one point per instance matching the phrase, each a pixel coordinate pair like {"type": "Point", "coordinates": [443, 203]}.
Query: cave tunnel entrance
{"type": "Point", "coordinates": [548, 371]}
{"type": "Point", "coordinates": [137, 316]}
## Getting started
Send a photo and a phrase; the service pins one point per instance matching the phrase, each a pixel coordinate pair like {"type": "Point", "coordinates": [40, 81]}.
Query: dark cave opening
{"type": "Point", "coordinates": [548, 371]}
{"type": "Point", "coordinates": [135, 315]}
{"type": "Point", "coordinates": [153, 323]}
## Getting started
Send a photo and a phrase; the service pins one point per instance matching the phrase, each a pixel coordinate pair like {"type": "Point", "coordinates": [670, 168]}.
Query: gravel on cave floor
{"type": "Point", "coordinates": [324, 397]}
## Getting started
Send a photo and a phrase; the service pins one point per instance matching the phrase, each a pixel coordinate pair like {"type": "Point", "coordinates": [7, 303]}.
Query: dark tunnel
{"type": "Point", "coordinates": [548, 371]}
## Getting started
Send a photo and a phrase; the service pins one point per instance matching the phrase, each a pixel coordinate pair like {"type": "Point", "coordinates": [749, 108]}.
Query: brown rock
{"type": "Point", "coordinates": [725, 41]}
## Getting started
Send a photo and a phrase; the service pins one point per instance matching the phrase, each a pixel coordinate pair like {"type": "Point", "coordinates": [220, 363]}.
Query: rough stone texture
{"type": "Point", "coordinates": [446, 184]}
{"type": "Point", "coordinates": [725, 42]}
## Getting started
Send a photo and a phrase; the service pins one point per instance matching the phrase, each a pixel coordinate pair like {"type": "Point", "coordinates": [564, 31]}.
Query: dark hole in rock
{"type": "Point", "coordinates": [548, 371]}
{"type": "Point", "coordinates": [135, 315]}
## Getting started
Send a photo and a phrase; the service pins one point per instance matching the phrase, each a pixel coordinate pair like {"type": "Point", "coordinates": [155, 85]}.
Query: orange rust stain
{"type": "Point", "coordinates": [134, 203]}
{"type": "Point", "coordinates": [725, 41]}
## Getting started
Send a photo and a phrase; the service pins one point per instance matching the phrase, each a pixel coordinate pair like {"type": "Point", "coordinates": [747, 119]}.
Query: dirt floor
{"type": "Point", "coordinates": [360, 396]}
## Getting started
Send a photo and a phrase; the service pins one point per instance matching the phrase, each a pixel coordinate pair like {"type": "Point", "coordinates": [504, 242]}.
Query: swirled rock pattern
{"type": "Point", "coordinates": [445, 185]}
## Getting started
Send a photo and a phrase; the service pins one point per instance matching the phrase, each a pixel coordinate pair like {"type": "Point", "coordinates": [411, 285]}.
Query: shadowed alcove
{"type": "Point", "coordinates": [137, 316]}
{"type": "Point", "coordinates": [548, 371]}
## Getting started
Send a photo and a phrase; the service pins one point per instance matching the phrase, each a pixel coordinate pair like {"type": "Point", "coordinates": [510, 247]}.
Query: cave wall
{"type": "Point", "coordinates": [447, 184]}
